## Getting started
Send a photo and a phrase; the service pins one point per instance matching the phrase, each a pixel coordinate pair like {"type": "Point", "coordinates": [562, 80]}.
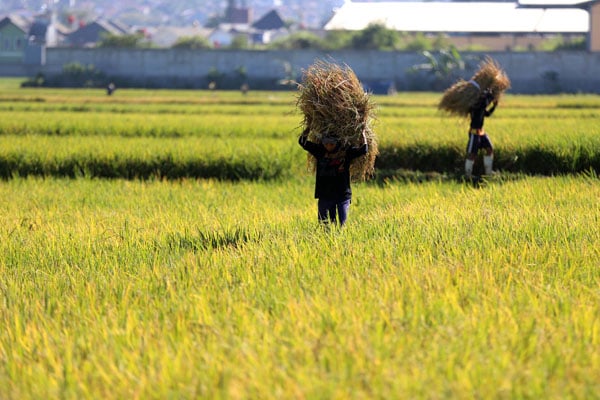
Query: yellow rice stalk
{"type": "Point", "coordinates": [334, 103]}
{"type": "Point", "coordinates": [462, 95]}
{"type": "Point", "coordinates": [491, 76]}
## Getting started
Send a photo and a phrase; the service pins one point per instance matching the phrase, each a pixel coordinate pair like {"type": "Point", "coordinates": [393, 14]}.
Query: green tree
{"type": "Point", "coordinates": [336, 40]}
{"type": "Point", "coordinates": [78, 75]}
{"type": "Point", "coordinates": [419, 43]}
{"type": "Point", "coordinates": [215, 78]}
{"type": "Point", "coordinates": [242, 73]}
{"type": "Point", "coordinates": [192, 43]}
{"type": "Point", "coordinates": [444, 66]}
{"type": "Point", "coordinates": [298, 41]}
{"type": "Point", "coordinates": [376, 37]}
{"type": "Point", "coordinates": [240, 42]}
{"type": "Point", "coordinates": [559, 43]}
{"type": "Point", "coordinates": [441, 42]}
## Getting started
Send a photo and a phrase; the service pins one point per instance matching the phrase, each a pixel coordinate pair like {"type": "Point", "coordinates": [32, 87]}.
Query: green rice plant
{"type": "Point", "coordinates": [540, 138]}
{"type": "Point", "coordinates": [145, 158]}
{"type": "Point", "coordinates": [141, 97]}
{"type": "Point", "coordinates": [209, 289]}
{"type": "Point", "coordinates": [143, 125]}
{"type": "Point", "coordinates": [165, 106]}
{"type": "Point", "coordinates": [546, 135]}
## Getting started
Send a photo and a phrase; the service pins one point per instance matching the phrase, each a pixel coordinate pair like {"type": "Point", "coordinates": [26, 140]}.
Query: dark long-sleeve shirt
{"type": "Point", "coordinates": [333, 169]}
{"type": "Point", "coordinates": [479, 112]}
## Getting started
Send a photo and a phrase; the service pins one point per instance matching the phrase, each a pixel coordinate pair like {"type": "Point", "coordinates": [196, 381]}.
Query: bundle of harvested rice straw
{"type": "Point", "coordinates": [334, 103]}
{"type": "Point", "coordinates": [460, 97]}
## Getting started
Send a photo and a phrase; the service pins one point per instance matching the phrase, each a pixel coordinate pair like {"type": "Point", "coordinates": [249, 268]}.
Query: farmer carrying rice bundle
{"type": "Point", "coordinates": [473, 98]}
{"type": "Point", "coordinates": [337, 134]}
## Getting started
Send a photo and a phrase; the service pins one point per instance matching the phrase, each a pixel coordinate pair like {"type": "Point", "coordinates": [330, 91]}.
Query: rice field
{"type": "Point", "coordinates": [152, 286]}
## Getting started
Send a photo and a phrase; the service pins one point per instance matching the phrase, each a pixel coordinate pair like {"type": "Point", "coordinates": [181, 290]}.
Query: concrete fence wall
{"type": "Point", "coordinates": [535, 72]}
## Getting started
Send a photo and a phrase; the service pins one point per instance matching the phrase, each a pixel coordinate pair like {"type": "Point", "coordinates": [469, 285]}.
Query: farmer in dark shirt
{"type": "Point", "coordinates": [478, 138]}
{"type": "Point", "coordinates": [332, 185]}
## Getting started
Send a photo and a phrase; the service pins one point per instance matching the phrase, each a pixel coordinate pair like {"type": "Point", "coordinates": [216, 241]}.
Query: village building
{"type": "Point", "coordinates": [13, 39]}
{"type": "Point", "coordinates": [89, 34]}
{"type": "Point", "coordinates": [23, 40]}
{"type": "Point", "coordinates": [269, 27]}
{"type": "Point", "coordinates": [26, 48]}
{"type": "Point", "coordinates": [237, 15]}
{"type": "Point", "coordinates": [490, 25]}
{"type": "Point", "coordinates": [238, 22]}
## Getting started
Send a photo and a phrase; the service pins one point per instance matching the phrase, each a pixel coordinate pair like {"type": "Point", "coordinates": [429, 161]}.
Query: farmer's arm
{"type": "Point", "coordinates": [303, 136]}
{"type": "Point", "coordinates": [491, 110]}
{"type": "Point", "coordinates": [360, 150]}
{"type": "Point", "coordinates": [306, 144]}
{"type": "Point", "coordinates": [303, 139]}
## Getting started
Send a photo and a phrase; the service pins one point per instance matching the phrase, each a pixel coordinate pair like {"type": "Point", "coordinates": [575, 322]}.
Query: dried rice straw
{"type": "Point", "coordinates": [461, 96]}
{"type": "Point", "coordinates": [334, 103]}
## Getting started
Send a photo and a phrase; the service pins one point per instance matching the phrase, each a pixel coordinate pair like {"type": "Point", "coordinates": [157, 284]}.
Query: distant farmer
{"type": "Point", "coordinates": [337, 134]}
{"type": "Point", "coordinates": [332, 184]}
{"type": "Point", "coordinates": [477, 99]}
{"type": "Point", "coordinates": [478, 138]}
{"type": "Point", "coordinates": [110, 88]}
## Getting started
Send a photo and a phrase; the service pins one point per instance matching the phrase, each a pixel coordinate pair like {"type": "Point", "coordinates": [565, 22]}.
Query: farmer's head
{"type": "Point", "coordinates": [330, 142]}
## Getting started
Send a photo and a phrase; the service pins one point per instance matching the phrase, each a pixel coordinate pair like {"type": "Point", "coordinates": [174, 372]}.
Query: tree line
{"type": "Point", "coordinates": [373, 37]}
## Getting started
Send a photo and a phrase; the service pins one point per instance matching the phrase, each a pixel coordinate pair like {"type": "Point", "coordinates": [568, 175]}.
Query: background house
{"type": "Point", "coordinates": [24, 41]}
{"type": "Point", "coordinates": [223, 35]}
{"type": "Point", "coordinates": [45, 30]}
{"type": "Point", "coordinates": [13, 39]}
{"type": "Point", "coordinates": [492, 25]}
{"type": "Point", "coordinates": [591, 6]}
{"type": "Point", "coordinates": [268, 28]}
{"type": "Point", "coordinates": [236, 22]}
{"type": "Point", "coordinates": [234, 14]}
{"type": "Point", "coordinates": [88, 35]}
